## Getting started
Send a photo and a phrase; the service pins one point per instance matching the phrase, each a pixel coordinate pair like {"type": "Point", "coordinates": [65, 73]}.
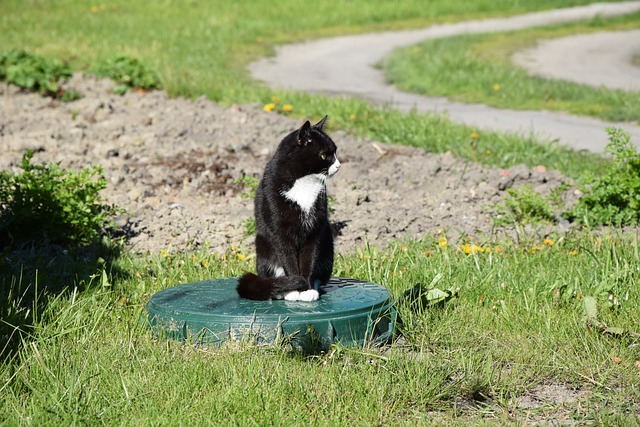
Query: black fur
{"type": "Point", "coordinates": [301, 243]}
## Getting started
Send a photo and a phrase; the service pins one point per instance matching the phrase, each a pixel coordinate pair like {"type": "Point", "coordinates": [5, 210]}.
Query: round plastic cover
{"type": "Point", "coordinates": [351, 312]}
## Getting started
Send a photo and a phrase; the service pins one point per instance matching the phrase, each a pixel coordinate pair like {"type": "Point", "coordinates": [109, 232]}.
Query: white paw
{"type": "Point", "coordinates": [310, 295]}
{"type": "Point", "coordinates": [292, 296]}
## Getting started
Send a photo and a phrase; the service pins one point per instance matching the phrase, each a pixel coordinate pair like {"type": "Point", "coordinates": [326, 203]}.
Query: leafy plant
{"type": "Point", "coordinates": [250, 185]}
{"type": "Point", "coordinates": [48, 203]}
{"type": "Point", "coordinates": [128, 73]}
{"type": "Point", "coordinates": [613, 198]}
{"type": "Point", "coordinates": [250, 226]}
{"type": "Point", "coordinates": [36, 73]}
{"type": "Point", "coordinates": [524, 206]}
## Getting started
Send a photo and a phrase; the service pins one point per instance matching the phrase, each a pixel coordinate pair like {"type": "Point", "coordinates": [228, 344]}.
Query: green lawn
{"type": "Point", "coordinates": [478, 69]}
{"type": "Point", "coordinates": [74, 349]}
{"type": "Point", "coordinates": [517, 327]}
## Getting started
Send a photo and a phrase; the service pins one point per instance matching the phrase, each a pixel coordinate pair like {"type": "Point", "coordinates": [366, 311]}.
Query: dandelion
{"type": "Point", "coordinates": [404, 248]}
{"type": "Point", "coordinates": [496, 87]}
{"type": "Point", "coordinates": [472, 249]}
{"type": "Point", "coordinates": [164, 252]}
{"type": "Point", "coordinates": [241, 257]}
{"type": "Point", "coordinates": [573, 252]}
{"type": "Point", "coordinates": [204, 263]}
{"type": "Point", "coordinates": [442, 242]}
{"type": "Point", "coordinates": [548, 242]}
{"type": "Point", "coordinates": [497, 249]}
{"type": "Point", "coordinates": [269, 107]}
{"type": "Point", "coordinates": [474, 135]}
{"type": "Point", "coordinates": [287, 108]}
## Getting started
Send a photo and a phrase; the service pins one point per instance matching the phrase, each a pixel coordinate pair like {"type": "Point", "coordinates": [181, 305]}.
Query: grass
{"type": "Point", "coordinates": [516, 327]}
{"type": "Point", "coordinates": [478, 69]}
{"type": "Point", "coordinates": [74, 350]}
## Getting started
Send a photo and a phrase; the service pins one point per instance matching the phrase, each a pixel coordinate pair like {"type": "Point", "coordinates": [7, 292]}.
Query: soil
{"type": "Point", "coordinates": [173, 164]}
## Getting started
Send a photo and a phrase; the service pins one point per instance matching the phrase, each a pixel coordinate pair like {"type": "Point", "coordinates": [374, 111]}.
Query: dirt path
{"type": "Point", "coordinates": [345, 66]}
{"type": "Point", "coordinates": [173, 165]}
{"type": "Point", "coordinates": [599, 59]}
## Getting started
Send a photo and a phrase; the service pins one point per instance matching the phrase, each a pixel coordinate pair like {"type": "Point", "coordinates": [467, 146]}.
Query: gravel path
{"type": "Point", "coordinates": [599, 59]}
{"type": "Point", "coordinates": [345, 66]}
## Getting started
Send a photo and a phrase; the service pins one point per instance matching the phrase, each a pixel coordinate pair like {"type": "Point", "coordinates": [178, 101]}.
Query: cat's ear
{"type": "Point", "coordinates": [320, 124]}
{"type": "Point", "coordinates": [303, 133]}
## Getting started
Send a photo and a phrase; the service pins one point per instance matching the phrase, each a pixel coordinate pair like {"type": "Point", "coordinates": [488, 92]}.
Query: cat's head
{"type": "Point", "coordinates": [311, 150]}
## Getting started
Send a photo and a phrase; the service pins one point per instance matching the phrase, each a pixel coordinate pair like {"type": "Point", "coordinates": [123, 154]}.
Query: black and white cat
{"type": "Point", "coordinates": [294, 244]}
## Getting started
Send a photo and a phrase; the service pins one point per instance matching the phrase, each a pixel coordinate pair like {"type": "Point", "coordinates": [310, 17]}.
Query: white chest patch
{"type": "Point", "coordinates": [305, 191]}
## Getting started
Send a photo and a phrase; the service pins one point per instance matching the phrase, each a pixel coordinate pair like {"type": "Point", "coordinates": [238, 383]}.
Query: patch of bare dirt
{"type": "Point", "coordinates": [174, 165]}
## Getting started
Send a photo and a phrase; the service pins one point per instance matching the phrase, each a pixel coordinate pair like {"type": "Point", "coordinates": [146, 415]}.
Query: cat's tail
{"type": "Point", "coordinates": [251, 286]}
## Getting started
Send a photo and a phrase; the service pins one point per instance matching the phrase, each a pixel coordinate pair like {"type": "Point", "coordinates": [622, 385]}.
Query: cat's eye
{"type": "Point", "coordinates": [323, 156]}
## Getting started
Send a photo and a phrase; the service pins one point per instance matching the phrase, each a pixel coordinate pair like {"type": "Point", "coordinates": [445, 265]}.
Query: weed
{"type": "Point", "coordinates": [47, 202]}
{"type": "Point", "coordinates": [250, 226]}
{"type": "Point", "coordinates": [36, 73]}
{"type": "Point", "coordinates": [524, 206]}
{"type": "Point", "coordinates": [613, 198]}
{"type": "Point", "coordinates": [250, 185]}
{"type": "Point", "coordinates": [128, 73]}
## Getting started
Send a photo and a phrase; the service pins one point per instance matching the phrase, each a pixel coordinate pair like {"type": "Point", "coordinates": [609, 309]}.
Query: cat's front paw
{"type": "Point", "coordinates": [310, 295]}
{"type": "Point", "coordinates": [292, 296]}
{"type": "Point", "coordinates": [307, 296]}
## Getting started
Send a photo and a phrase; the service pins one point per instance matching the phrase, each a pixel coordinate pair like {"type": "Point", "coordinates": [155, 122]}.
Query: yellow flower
{"type": "Point", "coordinates": [287, 108]}
{"type": "Point", "coordinates": [573, 252]}
{"type": "Point", "coordinates": [548, 242]}
{"type": "Point", "coordinates": [474, 135]}
{"type": "Point", "coordinates": [497, 87]}
{"type": "Point", "coordinates": [472, 249]}
{"type": "Point", "coordinates": [269, 107]}
{"type": "Point", "coordinates": [204, 262]}
{"type": "Point", "coordinates": [275, 99]}
{"type": "Point", "coordinates": [403, 248]}
{"type": "Point", "coordinates": [442, 242]}
{"type": "Point", "coordinates": [498, 249]}
{"type": "Point", "coordinates": [241, 257]}
{"type": "Point", "coordinates": [164, 252]}
{"type": "Point", "coordinates": [352, 117]}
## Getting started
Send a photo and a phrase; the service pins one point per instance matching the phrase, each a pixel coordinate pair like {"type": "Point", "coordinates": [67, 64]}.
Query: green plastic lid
{"type": "Point", "coordinates": [351, 312]}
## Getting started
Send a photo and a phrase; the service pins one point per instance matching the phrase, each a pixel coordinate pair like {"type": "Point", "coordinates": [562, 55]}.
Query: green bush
{"type": "Point", "coordinates": [613, 198]}
{"type": "Point", "coordinates": [128, 73]}
{"type": "Point", "coordinates": [50, 204]}
{"type": "Point", "coordinates": [36, 73]}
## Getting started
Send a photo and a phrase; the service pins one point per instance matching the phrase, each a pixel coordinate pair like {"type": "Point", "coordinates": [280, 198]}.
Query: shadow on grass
{"type": "Point", "coordinates": [31, 276]}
